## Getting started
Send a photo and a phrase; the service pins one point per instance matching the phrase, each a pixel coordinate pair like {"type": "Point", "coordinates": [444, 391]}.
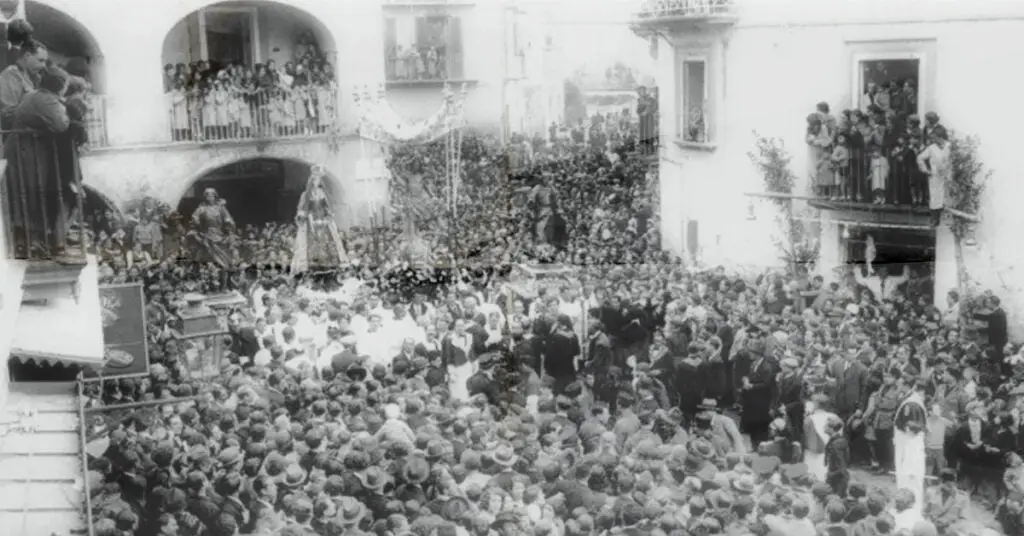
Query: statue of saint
{"type": "Point", "coordinates": [318, 242]}
{"type": "Point", "coordinates": [208, 236]}
{"type": "Point", "coordinates": [543, 204]}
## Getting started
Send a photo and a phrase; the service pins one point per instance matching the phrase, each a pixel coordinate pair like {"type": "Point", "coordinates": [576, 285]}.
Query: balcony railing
{"type": "Point", "coordinates": [889, 177]}
{"type": "Point", "coordinates": [237, 115]}
{"type": "Point", "coordinates": [657, 9]}
{"type": "Point", "coordinates": [42, 196]}
{"type": "Point", "coordinates": [418, 67]}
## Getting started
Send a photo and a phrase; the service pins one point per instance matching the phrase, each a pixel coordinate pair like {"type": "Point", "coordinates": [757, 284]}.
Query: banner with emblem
{"type": "Point", "coordinates": [126, 354]}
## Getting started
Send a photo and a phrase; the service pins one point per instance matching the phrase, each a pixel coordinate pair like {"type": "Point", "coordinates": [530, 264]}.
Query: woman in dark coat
{"type": "Point", "coordinates": [35, 183]}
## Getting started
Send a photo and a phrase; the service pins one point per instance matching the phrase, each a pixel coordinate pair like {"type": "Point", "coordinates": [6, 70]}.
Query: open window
{"type": "Point", "coordinates": [423, 47]}
{"type": "Point", "coordinates": [890, 82]}
{"type": "Point", "coordinates": [694, 111]}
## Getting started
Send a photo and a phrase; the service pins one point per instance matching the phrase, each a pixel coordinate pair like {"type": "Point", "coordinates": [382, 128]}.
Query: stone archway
{"type": "Point", "coordinates": [196, 34]}
{"type": "Point", "coordinates": [70, 43]}
{"type": "Point", "coordinates": [256, 190]}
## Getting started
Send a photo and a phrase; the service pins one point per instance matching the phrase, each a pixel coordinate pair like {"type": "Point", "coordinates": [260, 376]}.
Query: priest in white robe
{"type": "Point", "coordinates": [909, 443]}
{"type": "Point", "coordinates": [816, 435]}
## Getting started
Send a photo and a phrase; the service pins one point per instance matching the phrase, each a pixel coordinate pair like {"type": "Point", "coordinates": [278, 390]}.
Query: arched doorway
{"type": "Point", "coordinates": [257, 192]}
{"type": "Point", "coordinates": [69, 42]}
{"type": "Point", "coordinates": [257, 53]}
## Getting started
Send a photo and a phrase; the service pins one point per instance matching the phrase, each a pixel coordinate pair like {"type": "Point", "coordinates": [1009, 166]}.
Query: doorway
{"type": "Point", "coordinates": [894, 250]}
{"type": "Point", "coordinates": [229, 35]}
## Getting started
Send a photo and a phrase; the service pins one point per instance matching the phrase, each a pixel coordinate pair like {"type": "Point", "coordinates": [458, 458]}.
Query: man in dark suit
{"type": "Point", "coordinates": [790, 397]}
{"type": "Point", "coordinates": [850, 383]}
{"type": "Point", "coordinates": [837, 458]}
{"type": "Point", "coordinates": [600, 362]}
{"type": "Point", "coordinates": [758, 389]}
{"type": "Point", "coordinates": [244, 342]}
{"type": "Point", "coordinates": [487, 380]}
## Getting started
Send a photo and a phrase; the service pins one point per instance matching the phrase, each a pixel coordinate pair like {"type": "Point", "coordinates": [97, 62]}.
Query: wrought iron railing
{"type": "Point", "coordinates": [418, 67]}
{"type": "Point", "coordinates": [684, 8]}
{"type": "Point", "coordinates": [232, 114]}
{"type": "Point", "coordinates": [42, 196]}
{"type": "Point", "coordinates": [885, 176]}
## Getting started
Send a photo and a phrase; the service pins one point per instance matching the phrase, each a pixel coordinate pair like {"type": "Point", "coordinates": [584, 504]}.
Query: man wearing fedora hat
{"type": "Point", "coordinates": [722, 431]}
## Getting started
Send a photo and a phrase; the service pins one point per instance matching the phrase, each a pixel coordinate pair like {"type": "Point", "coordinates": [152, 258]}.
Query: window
{"type": "Point", "coordinates": [693, 110]}
{"type": "Point", "coordinates": [423, 48]}
{"type": "Point", "coordinates": [889, 83]}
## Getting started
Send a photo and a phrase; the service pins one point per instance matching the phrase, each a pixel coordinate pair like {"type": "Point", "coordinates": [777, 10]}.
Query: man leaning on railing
{"type": "Point", "coordinates": [41, 181]}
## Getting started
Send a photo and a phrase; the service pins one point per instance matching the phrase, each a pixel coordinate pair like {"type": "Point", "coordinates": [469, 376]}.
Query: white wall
{"type": "Point", "coordinates": [778, 63]}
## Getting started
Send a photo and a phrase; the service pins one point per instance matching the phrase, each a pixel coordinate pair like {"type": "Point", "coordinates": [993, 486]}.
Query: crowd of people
{"type": "Point", "coordinates": [882, 152]}
{"type": "Point", "coordinates": [209, 101]}
{"type": "Point", "coordinates": [628, 394]}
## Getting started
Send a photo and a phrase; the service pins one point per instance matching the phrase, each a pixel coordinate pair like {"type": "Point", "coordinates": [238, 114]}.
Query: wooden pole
{"type": "Point", "coordinates": [144, 404]}
{"type": "Point", "coordinates": [964, 215]}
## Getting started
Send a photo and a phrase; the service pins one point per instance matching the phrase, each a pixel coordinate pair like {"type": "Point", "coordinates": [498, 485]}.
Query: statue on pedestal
{"type": "Point", "coordinates": [318, 241]}
{"type": "Point", "coordinates": [208, 238]}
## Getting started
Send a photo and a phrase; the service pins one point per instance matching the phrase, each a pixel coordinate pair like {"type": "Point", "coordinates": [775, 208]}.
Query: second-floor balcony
{"type": "Point", "coordinates": [657, 13]}
{"type": "Point", "coordinates": [873, 163]}
{"type": "Point", "coordinates": [224, 113]}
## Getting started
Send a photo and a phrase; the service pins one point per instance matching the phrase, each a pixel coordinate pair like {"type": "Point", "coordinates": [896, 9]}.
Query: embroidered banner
{"type": "Point", "coordinates": [124, 331]}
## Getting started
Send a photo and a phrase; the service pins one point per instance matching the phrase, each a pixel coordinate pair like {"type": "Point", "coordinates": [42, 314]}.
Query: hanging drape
{"type": "Point", "coordinates": [379, 122]}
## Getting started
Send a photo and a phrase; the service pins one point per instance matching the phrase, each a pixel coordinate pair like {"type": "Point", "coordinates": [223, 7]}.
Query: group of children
{"type": "Point", "coordinates": [212, 102]}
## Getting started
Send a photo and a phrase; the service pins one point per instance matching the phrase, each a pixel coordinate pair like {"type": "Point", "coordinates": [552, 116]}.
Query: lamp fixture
{"type": "Point", "coordinates": [751, 216]}
{"type": "Point", "coordinates": [846, 232]}
{"type": "Point", "coordinates": [970, 240]}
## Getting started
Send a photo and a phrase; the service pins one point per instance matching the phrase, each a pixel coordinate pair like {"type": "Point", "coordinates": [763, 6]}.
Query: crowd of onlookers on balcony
{"type": "Point", "coordinates": [411, 63]}
{"type": "Point", "coordinates": [213, 101]}
{"type": "Point", "coordinates": [669, 8]}
{"type": "Point", "coordinates": [43, 112]}
{"type": "Point", "coordinates": [880, 153]}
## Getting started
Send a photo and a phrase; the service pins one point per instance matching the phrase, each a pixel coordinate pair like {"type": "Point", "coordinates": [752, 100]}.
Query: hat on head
{"type": "Point", "coordinates": [350, 511]}
{"type": "Point", "coordinates": [504, 455]}
{"type": "Point", "coordinates": [373, 479]}
{"type": "Point", "coordinates": [416, 470]}
{"type": "Point", "coordinates": [744, 484]}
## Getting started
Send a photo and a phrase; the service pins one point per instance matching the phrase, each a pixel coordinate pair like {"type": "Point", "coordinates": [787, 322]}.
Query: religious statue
{"type": "Point", "coordinates": [545, 220]}
{"type": "Point", "coordinates": [318, 242]}
{"type": "Point", "coordinates": [208, 236]}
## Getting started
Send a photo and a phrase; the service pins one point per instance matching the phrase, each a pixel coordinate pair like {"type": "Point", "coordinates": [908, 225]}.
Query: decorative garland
{"type": "Point", "coordinates": [798, 246]}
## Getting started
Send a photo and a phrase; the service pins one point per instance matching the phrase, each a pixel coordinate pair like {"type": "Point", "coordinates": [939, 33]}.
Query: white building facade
{"type": "Point", "coordinates": [147, 142]}
{"type": "Point", "coordinates": [732, 72]}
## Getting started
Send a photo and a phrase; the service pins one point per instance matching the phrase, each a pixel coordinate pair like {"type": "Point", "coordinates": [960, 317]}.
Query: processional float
{"type": "Point", "coordinates": [410, 195]}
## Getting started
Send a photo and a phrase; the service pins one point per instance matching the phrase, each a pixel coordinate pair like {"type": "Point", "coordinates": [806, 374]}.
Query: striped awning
{"type": "Point", "coordinates": [63, 329]}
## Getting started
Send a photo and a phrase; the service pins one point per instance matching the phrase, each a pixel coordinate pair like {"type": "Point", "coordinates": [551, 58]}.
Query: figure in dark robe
{"type": "Point", "coordinates": [208, 238]}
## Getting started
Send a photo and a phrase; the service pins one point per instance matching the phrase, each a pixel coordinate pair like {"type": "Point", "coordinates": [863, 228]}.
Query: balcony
{"type": "Point", "coordinates": [408, 69]}
{"type": "Point", "coordinates": [224, 115]}
{"type": "Point", "coordinates": [42, 208]}
{"type": "Point", "coordinates": [884, 180]}
{"type": "Point", "coordinates": [674, 15]}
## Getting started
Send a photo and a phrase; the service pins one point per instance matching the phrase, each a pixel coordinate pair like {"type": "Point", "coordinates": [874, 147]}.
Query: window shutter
{"type": "Point", "coordinates": [390, 45]}
{"type": "Point", "coordinates": [390, 35]}
{"type": "Point", "coordinates": [422, 30]}
{"type": "Point", "coordinates": [454, 48]}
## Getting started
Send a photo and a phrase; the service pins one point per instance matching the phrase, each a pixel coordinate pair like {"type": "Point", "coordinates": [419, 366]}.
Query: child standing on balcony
{"type": "Point", "coordinates": [879, 172]}
{"type": "Point", "coordinates": [179, 111]}
{"type": "Point", "coordinates": [840, 159]}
